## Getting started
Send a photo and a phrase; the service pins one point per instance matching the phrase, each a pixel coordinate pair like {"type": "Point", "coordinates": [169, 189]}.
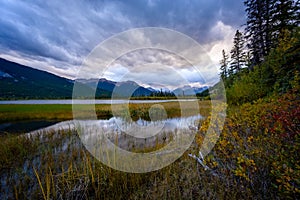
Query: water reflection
{"type": "Point", "coordinates": [128, 134]}
{"type": "Point", "coordinates": [91, 101]}
{"type": "Point", "coordinates": [24, 126]}
{"type": "Point", "coordinates": [117, 125]}
{"type": "Point", "coordinates": [118, 142]}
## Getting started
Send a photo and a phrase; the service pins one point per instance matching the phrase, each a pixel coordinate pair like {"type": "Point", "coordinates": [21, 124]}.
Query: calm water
{"type": "Point", "coordinates": [129, 134]}
{"type": "Point", "coordinates": [117, 125]}
{"type": "Point", "coordinates": [114, 124]}
{"type": "Point", "coordinates": [98, 101]}
{"type": "Point", "coordinates": [24, 126]}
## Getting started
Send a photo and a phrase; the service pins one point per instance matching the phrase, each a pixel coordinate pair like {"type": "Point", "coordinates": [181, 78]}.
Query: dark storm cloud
{"type": "Point", "coordinates": [192, 17]}
{"type": "Point", "coordinates": [62, 33]}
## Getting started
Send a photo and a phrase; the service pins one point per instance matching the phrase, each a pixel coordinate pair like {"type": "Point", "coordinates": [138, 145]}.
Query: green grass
{"type": "Point", "coordinates": [32, 112]}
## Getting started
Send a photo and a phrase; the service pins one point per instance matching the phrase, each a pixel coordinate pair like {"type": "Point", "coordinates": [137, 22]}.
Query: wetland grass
{"type": "Point", "coordinates": [56, 165]}
{"type": "Point", "coordinates": [11, 113]}
{"type": "Point", "coordinates": [56, 171]}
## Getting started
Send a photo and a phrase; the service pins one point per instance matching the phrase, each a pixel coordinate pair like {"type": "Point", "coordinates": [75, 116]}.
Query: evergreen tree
{"type": "Point", "coordinates": [224, 65]}
{"type": "Point", "coordinates": [259, 27]}
{"type": "Point", "coordinates": [237, 53]}
{"type": "Point", "coordinates": [248, 63]}
{"type": "Point", "coordinates": [286, 16]}
{"type": "Point", "coordinates": [266, 19]}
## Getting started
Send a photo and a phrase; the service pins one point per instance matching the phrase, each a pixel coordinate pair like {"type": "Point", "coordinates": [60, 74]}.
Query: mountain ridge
{"type": "Point", "coordinates": [18, 81]}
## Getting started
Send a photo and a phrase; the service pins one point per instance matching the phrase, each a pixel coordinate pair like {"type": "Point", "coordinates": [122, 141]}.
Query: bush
{"type": "Point", "coordinates": [259, 148]}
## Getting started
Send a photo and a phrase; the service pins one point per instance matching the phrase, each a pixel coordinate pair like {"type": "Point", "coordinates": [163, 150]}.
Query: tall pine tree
{"type": "Point", "coordinates": [286, 16]}
{"type": "Point", "coordinates": [266, 19]}
{"type": "Point", "coordinates": [224, 65]}
{"type": "Point", "coordinates": [237, 53]}
{"type": "Point", "coordinates": [259, 27]}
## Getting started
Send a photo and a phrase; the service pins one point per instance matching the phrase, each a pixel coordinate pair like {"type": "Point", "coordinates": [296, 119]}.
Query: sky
{"type": "Point", "coordinates": [58, 36]}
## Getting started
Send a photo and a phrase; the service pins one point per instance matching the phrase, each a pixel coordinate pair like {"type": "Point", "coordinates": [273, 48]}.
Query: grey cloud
{"type": "Point", "coordinates": [62, 33]}
{"type": "Point", "coordinates": [62, 30]}
{"type": "Point", "coordinates": [144, 56]}
{"type": "Point", "coordinates": [192, 17]}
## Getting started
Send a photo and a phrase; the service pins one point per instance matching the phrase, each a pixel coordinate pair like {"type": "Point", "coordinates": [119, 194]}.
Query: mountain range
{"type": "Point", "coordinates": [21, 82]}
{"type": "Point", "coordinates": [189, 90]}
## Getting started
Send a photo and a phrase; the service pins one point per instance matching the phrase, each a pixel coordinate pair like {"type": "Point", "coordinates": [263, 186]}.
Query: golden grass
{"type": "Point", "coordinates": [9, 113]}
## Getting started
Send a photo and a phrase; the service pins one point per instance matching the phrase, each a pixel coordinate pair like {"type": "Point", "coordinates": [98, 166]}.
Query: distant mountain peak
{"type": "Point", "coordinates": [189, 90]}
{"type": "Point", "coordinates": [106, 80]}
{"type": "Point", "coordinates": [128, 82]}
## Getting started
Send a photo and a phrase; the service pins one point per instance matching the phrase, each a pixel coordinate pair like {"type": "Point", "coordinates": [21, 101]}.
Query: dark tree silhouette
{"type": "Point", "coordinates": [224, 65]}
{"type": "Point", "coordinates": [237, 53]}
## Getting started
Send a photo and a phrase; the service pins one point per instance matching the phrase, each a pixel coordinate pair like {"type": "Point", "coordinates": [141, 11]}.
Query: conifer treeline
{"type": "Point", "coordinates": [267, 49]}
{"type": "Point", "coordinates": [267, 23]}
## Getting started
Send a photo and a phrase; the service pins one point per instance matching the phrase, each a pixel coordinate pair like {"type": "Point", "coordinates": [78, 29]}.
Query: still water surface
{"type": "Point", "coordinates": [97, 101]}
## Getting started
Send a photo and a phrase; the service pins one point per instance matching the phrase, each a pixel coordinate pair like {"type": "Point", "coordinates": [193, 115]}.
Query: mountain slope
{"type": "Point", "coordinates": [18, 81]}
{"type": "Point", "coordinates": [124, 89]}
{"type": "Point", "coordinates": [22, 82]}
{"type": "Point", "coordinates": [119, 89]}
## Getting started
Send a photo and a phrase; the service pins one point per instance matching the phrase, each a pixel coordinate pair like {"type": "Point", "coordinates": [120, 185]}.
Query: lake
{"type": "Point", "coordinates": [128, 132]}
{"type": "Point", "coordinates": [97, 101]}
{"type": "Point", "coordinates": [45, 125]}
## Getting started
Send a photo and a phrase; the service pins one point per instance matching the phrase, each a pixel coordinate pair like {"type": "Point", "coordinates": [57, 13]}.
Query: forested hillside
{"type": "Point", "coordinates": [21, 82]}
{"type": "Point", "coordinates": [264, 60]}
{"type": "Point", "coordinates": [260, 142]}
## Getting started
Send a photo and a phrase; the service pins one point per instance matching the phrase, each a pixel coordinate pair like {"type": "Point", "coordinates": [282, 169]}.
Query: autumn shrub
{"type": "Point", "coordinates": [258, 150]}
